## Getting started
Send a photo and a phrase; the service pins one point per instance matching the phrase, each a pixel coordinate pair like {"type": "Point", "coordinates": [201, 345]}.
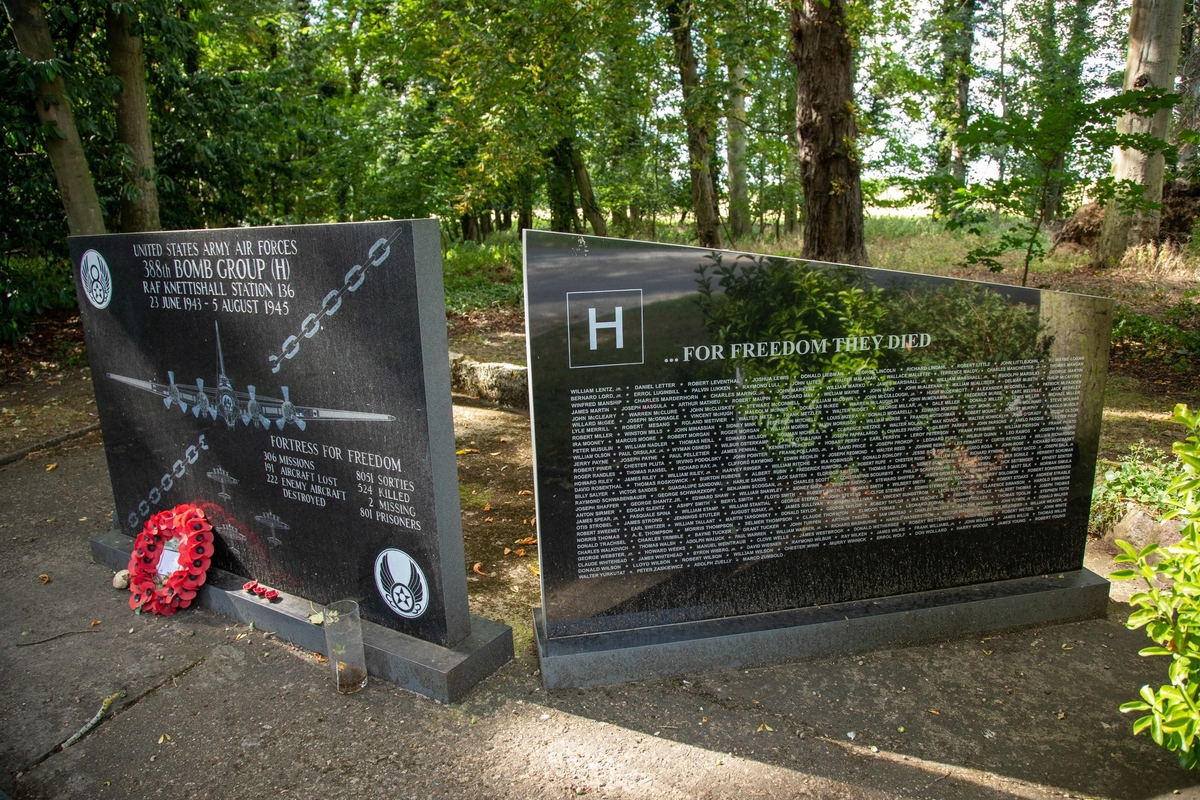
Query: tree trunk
{"type": "Point", "coordinates": [560, 186]}
{"type": "Point", "coordinates": [505, 223]}
{"type": "Point", "coordinates": [1154, 33]}
{"type": "Point", "coordinates": [139, 197]}
{"type": "Point", "coordinates": [957, 43]}
{"type": "Point", "coordinates": [525, 190]}
{"type": "Point", "coordinates": [698, 123]}
{"type": "Point", "coordinates": [63, 145]}
{"type": "Point", "coordinates": [470, 228]}
{"type": "Point", "coordinates": [591, 211]}
{"type": "Point", "coordinates": [1187, 113]}
{"type": "Point", "coordinates": [735, 150]}
{"type": "Point", "coordinates": [1054, 189]}
{"type": "Point", "coordinates": [827, 132]}
{"type": "Point", "coordinates": [485, 224]}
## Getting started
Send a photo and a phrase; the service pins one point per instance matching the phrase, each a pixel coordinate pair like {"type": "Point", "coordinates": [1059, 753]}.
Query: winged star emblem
{"type": "Point", "coordinates": [406, 597]}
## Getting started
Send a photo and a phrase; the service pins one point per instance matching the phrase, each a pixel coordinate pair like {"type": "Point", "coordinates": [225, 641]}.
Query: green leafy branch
{"type": "Point", "coordinates": [1169, 609]}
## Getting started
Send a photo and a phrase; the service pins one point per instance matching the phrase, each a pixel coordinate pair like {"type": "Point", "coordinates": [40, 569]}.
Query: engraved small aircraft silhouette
{"type": "Point", "coordinates": [225, 479]}
{"type": "Point", "coordinates": [232, 534]}
{"type": "Point", "coordinates": [229, 405]}
{"type": "Point", "coordinates": [273, 522]}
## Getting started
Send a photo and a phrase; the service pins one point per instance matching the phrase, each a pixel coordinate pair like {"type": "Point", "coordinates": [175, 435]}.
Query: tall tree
{"type": "Point", "coordinates": [699, 121]}
{"type": "Point", "coordinates": [1154, 37]}
{"type": "Point", "coordinates": [739, 193]}
{"type": "Point", "coordinates": [587, 200]}
{"type": "Point", "coordinates": [1187, 113]}
{"type": "Point", "coordinates": [62, 143]}
{"type": "Point", "coordinates": [830, 164]}
{"type": "Point", "coordinates": [127, 61]}
{"type": "Point", "coordinates": [1061, 37]}
{"type": "Point", "coordinates": [957, 41]}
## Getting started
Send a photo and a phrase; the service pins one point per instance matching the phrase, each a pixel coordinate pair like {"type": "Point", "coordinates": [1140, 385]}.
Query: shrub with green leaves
{"type": "Point", "coordinates": [1140, 477]}
{"type": "Point", "coordinates": [29, 287]}
{"type": "Point", "coordinates": [482, 276]}
{"type": "Point", "coordinates": [1169, 609]}
{"type": "Point", "coordinates": [1173, 340]}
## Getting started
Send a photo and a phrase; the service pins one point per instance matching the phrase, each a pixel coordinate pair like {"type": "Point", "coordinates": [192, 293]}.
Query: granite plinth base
{"type": "Point", "coordinates": [445, 674]}
{"type": "Point", "coordinates": [761, 639]}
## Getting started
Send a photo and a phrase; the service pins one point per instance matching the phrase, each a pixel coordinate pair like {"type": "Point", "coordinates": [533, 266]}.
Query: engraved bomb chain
{"type": "Point", "coordinates": [332, 301]}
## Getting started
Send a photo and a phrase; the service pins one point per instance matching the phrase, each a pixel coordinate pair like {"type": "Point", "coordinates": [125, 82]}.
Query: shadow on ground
{"type": "Point", "coordinates": [211, 709]}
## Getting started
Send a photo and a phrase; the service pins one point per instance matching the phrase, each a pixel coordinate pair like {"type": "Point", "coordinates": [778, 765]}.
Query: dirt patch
{"type": "Point", "coordinates": [495, 485]}
{"type": "Point", "coordinates": [496, 335]}
{"type": "Point", "coordinates": [1181, 206]}
{"type": "Point", "coordinates": [1081, 232]}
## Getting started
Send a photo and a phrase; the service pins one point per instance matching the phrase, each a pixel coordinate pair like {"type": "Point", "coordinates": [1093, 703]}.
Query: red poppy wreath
{"type": "Point", "coordinates": [148, 592]}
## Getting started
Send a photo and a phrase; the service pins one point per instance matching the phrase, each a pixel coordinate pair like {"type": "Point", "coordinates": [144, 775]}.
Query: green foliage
{"type": "Point", "coordinates": [1043, 140]}
{"type": "Point", "coordinates": [1169, 609]}
{"type": "Point", "coordinates": [29, 287]}
{"type": "Point", "coordinates": [774, 299]}
{"type": "Point", "coordinates": [968, 323]}
{"type": "Point", "coordinates": [481, 276]}
{"type": "Point", "coordinates": [1173, 340]}
{"type": "Point", "coordinates": [1142, 477]}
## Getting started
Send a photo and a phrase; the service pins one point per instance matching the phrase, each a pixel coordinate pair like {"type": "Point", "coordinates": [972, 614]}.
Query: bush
{"type": "Point", "coordinates": [1141, 477]}
{"type": "Point", "coordinates": [1175, 340]}
{"type": "Point", "coordinates": [1171, 615]}
{"type": "Point", "coordinates": [481, 276]}
{"type": "Point", "coordinates": [29, 288]}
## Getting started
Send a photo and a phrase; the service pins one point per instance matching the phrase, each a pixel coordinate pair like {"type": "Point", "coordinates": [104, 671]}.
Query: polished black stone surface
{"type": "Point", "coordinates": [718, 434]}
{"type": "Point", "coordinates": [293, 381]}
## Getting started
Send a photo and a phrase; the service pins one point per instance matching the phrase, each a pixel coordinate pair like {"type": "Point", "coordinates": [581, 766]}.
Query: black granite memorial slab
{"type": "Point", "coordinates": [293, 381]}
{"type": "Point", "coordinates": [718, 434]}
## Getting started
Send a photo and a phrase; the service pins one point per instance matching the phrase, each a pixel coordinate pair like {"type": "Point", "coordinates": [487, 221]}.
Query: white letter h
{"type": "Point", "coordinates": [616, 325]}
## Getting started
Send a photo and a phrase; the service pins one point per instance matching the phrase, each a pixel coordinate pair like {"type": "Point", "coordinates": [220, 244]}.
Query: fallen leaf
{"type": "Point", "coordinates": [901, 729]}
{"type": "Point", "coordinates": [44, 578]}
{"type": "Point", "coordinates": [1067, 647]}
{"type": "Point", "coordinates": [240, 636]}
{"type": "Point", "coordinates": [507, 550]}
{"type": "Point", "coordinates": [166, 737]}
{"type": "Point", "coordinates": [703, 720]}
{"type": "Point", "coordinates": [317, 618]}
{"type": "Point", "coordinates": [83, 519]}
{"type": "Point", "coordinates": [95, 622]}
{"type": "Point", "coordinates": [850, 735]}
{"type": "Point", "coordinates": [465, 451]}
{"type": "Point", "coordinates": [524, 492]}
{"type": "Point", "coordinates": [1062, 715]}
{"type": "Point", "coordinates": [765, 727]}
{"type": "Point", "coordinates": [478, 569]}
{"type": "Point", "coordinates": [487, 507]}
{"type": "Point", "coordinates": [534, 570]}
{"type": "Point", "coordinates": [527, 540]}
{"type": "Point", "coordinates": [988, 652]}
{"type": "Point", "coordinates": [520, 552]}
{"type": "Point", "coordinates": [51, 466]}
{"type": "Point", "coordinates": [495, 453]}
{"type": "Point", "coordinates": [934, 711]}
{"type": "Point", "coordinates": [489, 519]}
{"type": "Point", "coordinates": [320, 658]}
{"type": "Point", "coordinates": [533, 520]}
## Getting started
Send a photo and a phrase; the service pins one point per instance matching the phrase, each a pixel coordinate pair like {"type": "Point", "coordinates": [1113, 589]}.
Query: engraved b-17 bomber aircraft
{"type": "Point", "coordinates": [225, 403]}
